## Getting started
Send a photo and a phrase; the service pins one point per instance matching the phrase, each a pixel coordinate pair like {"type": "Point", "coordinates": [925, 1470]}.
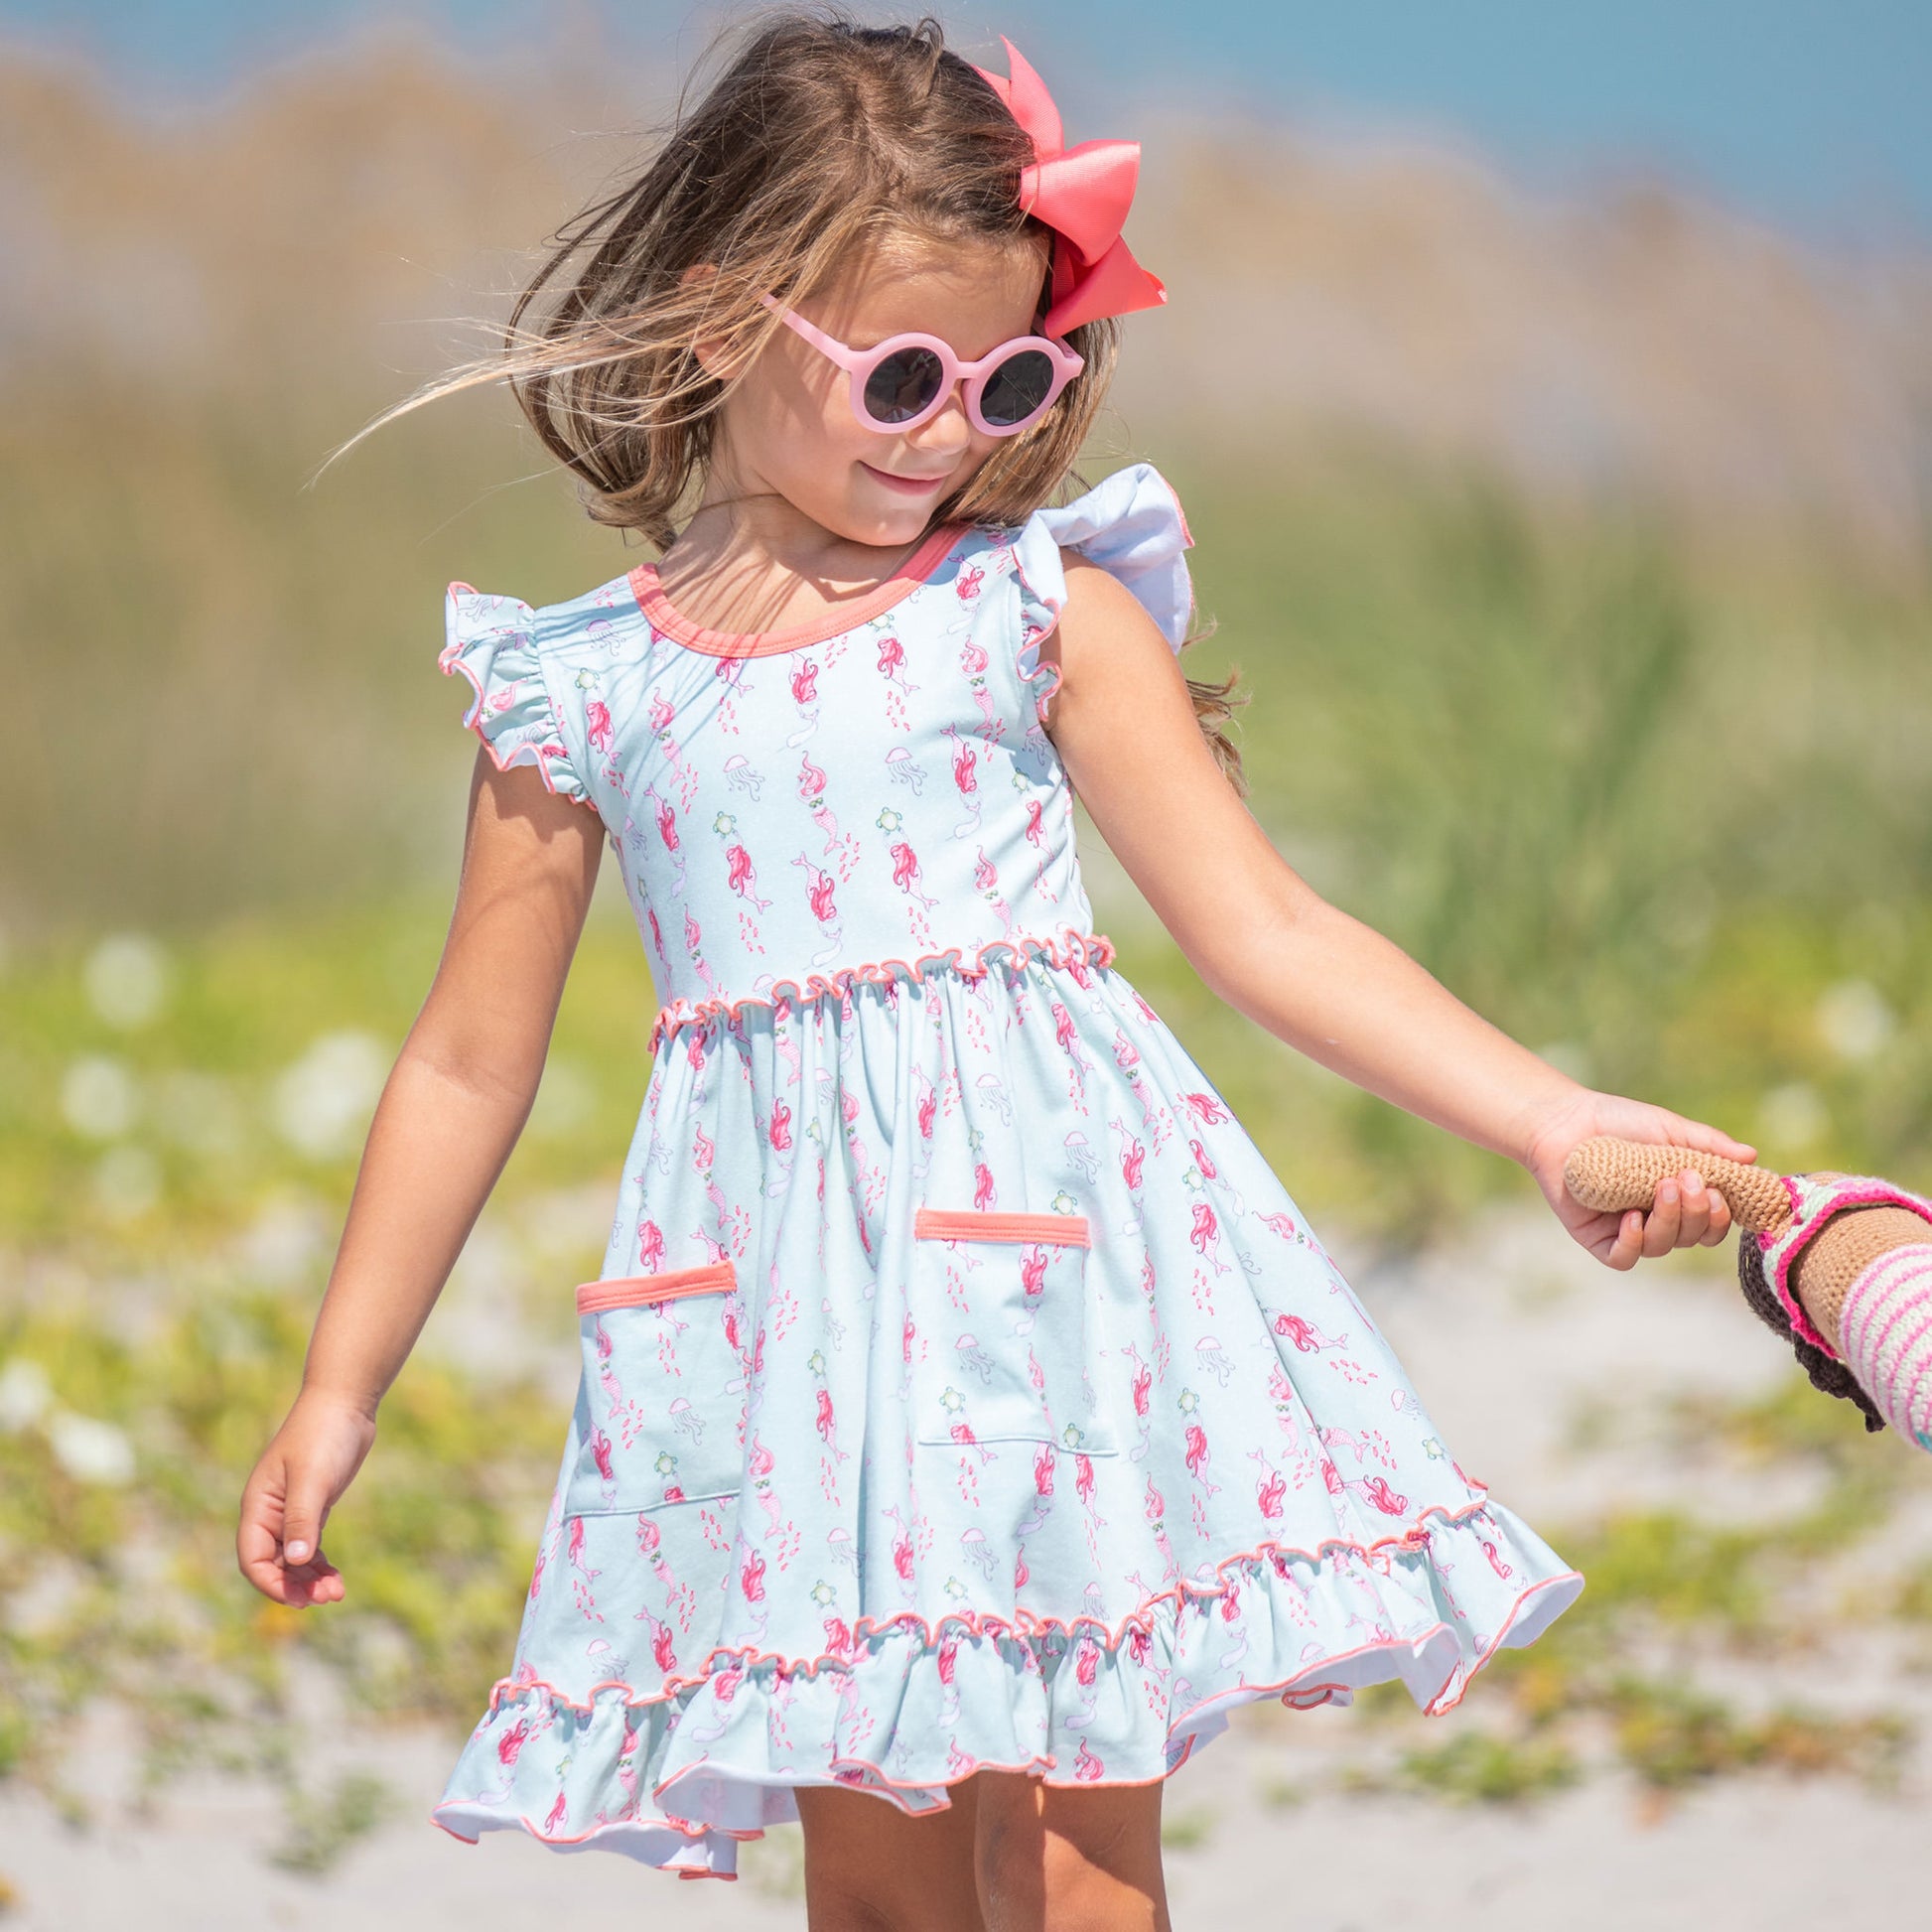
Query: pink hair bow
{"type": "Point", "coordinates": [1082, 194]}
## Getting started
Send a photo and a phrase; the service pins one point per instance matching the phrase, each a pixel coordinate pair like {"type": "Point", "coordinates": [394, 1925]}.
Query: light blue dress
{"type": "Point", "coordinates": [962, 1389]}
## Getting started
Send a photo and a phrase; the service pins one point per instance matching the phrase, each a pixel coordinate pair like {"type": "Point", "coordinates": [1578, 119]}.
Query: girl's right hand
{"type": "Point", "coordinates": [311, 1461]}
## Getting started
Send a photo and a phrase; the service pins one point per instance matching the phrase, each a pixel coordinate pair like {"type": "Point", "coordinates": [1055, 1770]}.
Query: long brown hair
{"type": "Point", "coordinates": [821, 139]}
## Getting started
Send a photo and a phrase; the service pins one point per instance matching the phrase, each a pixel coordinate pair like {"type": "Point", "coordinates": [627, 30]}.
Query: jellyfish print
{"type": "Point", "coordinates": [686, 1419]}
{"type": "Point", "coordinates": [741, 774]}
{"type": "Point", "coordinates": [993, 1091]}
{"type": "Point", "coordinates": [1079, 1150]}
{"type": "Point", "coordinates": [1212, 1357]}
{"type": "Point", "coordinates": [976, 1550]}
{"type": "Point", "coordinates": [902, 768]}
{"type": "Point", "coordinates": [973, 1358]}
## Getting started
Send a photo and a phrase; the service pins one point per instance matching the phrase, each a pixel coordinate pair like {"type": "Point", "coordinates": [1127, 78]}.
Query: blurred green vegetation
{"type": "Point", "coordinates": [1618, 1680]}
{"type": "Point", "coordinates": [1658, 811]}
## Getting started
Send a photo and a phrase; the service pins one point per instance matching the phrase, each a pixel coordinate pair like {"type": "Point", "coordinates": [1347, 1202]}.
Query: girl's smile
{"type": "Point", "coordinates": [911, 486]}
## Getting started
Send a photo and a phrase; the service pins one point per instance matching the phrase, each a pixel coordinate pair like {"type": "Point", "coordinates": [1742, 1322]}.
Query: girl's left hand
{"type": "Point", "coordinates": [1685, 1213]}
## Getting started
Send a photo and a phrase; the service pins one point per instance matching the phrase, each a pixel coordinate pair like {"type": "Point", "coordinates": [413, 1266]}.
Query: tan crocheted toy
{"type": "Point", "coordinates": [1840, 1265]}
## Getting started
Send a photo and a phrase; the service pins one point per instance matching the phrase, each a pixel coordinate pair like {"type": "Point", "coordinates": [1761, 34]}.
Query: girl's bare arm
{"type": "Point", "coordinates": [449, 1116]}
{"type": "Point", "coordinates": [1270, 946]}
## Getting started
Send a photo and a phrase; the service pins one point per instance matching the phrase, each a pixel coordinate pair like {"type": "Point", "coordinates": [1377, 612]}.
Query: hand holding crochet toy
{"type": "Point", "coordinates": [1840, 1264]}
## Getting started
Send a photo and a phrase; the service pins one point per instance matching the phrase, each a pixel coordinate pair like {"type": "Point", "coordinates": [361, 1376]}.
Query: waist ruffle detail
{"type": "Point", "coordinates": [1070, 949]}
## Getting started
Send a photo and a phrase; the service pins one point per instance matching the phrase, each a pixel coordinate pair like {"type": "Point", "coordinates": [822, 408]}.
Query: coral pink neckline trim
{"type": "Point", "coordinates": [667, 618]}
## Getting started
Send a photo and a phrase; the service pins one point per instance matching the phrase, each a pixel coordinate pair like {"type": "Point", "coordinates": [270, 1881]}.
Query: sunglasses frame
{"type": "Point", "coordinates": [859, 364]}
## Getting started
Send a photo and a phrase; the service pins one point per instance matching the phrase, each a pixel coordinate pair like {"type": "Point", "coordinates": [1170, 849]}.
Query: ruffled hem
{"type": "Point", "coordinates": [1070, 949]}
{"type": "Point", "coordinates": [492, 643]}
{"type": "Point", "coordinates": [677, 1775]}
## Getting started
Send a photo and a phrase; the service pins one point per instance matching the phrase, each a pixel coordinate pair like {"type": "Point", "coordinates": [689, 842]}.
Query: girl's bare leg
{"type": "Point", "coordinates": [1012, 1855]}
{"type": "Point", "coordinates": [1069, 1857]}
{"type": "Point", "coordinates": [870, 1867]}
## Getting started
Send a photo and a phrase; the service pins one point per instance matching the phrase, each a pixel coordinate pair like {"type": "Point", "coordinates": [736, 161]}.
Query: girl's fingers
{"type": "Point", "coordinates": [1615, 1239]}
{"type": "Point", "coordinates": [1661, 1224]}
{"type": "Point", "coordinates": [1708, 1140]}
{"type": "Point", "coordinates": [1720, 1220]}
{"type": "Point", "coordinates": [1694, 1208]}
{"type": "Point", "coordinates": [302, 1522]}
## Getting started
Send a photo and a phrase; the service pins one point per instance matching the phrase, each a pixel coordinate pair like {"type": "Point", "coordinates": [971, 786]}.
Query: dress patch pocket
{"type": "Point", "coordinates": [664, 1392]}
{"type": "Point", "coordinates": [1011, 1338]}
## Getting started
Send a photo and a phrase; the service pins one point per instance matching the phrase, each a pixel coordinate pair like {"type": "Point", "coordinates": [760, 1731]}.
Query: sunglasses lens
{"type": "Point", "coordinates": [1017, 387]}
{"type": "Point", "coordinates": [902, 385]}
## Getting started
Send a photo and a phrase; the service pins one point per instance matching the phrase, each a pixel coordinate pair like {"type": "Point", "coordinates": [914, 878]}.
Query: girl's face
{"type": "Point", "coordinates": [788, 427]}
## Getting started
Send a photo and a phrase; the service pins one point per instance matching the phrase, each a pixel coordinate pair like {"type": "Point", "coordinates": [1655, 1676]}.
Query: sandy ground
{"type": "Point", "coordinates": [1504, 1335]}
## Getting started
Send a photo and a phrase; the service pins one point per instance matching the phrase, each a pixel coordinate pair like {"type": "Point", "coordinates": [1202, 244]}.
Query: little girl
{"type": "Point", "coordinates": [969, 1418]}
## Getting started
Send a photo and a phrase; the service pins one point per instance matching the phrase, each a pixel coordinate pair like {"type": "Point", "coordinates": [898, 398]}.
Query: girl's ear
{"type": "Point", "coordinates": [710, 351]}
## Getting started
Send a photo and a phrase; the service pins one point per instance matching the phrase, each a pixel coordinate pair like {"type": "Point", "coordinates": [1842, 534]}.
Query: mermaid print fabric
{"type": "Point", "coordinates": [962, 1389]}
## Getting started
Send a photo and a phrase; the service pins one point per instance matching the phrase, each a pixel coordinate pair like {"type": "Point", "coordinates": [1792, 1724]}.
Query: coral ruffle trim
{"type": "Point", "coordinates": [1071, 951]}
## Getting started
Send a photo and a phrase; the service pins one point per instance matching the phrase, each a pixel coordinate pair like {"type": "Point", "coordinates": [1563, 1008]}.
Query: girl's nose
{"type": "Point", "coordinates": [948, 433]}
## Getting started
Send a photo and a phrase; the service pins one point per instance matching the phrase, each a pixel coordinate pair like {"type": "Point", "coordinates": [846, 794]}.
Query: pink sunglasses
{"type": "Point", "coordinates": [904, 381]}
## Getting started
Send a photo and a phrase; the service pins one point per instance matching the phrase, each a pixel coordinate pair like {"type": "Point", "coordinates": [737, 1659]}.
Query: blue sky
{"type": "Point", "coordinates": [1815, 114]}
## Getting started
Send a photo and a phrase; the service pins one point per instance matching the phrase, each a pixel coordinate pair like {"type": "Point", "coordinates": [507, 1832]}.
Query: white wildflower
{"type": "Point", "coordinates": [25, 1393]}
{"type": "Point", "coordinates": [98, 1098]}
{"type": "Point", "coordinates": [126, 978]}
{"type": "Point", "coordinates": [127, 1183]}
{"type": "Point", "coordinates": [323, 1103]}
{"type": "Point", "coordinates": [1854, 1019]}
{"type": "Point", "coordinates": [1793, 1116]}
{"type": "Point", "coordinates": [91, 1451]}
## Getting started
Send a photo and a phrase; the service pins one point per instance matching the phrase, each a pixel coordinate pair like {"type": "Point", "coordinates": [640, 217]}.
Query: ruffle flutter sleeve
{"type": "Point", "coordinates": [493, 643]}
{"type": "Point", "coordinates": [1132, 526]}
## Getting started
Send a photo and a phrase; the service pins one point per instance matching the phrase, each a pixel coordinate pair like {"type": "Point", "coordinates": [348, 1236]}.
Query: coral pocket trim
{"type": "Point", "coordinates": [974, 1224]}
{"type": "Point", "coordinates": [638, 1290]}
